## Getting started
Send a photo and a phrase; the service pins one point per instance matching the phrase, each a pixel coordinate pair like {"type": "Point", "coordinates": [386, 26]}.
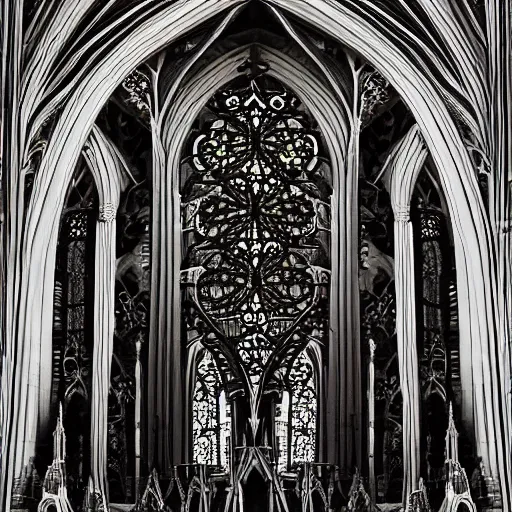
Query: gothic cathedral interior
{"type": "Point", "coordinates": [255, 256]}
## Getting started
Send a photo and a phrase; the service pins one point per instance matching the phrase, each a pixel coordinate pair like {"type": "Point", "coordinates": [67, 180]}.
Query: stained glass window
{"type": "Point", "coordinates": [73, 326]}
{"type": "Point", "coordinates": [256, 270]}
{"type": "Point", "coordinates": [432, 342]}
{"type": "Point", "coordinates": [296, 415]}
{"type": "Point", "coordinates": [303, 410]}
{"type": "Point", "coordinates": [211, 415]}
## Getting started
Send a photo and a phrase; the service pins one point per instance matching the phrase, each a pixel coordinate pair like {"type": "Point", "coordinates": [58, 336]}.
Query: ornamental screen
{"type": "Point", "coordinates": [255, 192]}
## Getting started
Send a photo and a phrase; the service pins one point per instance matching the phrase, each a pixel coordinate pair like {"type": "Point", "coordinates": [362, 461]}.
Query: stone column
{"type": "Point", "coordinates": [104, 318]}
{"type": "Point", "coordinates": [138, 410]}
{"type": "Point", "coordinates": [371, 423]}
{"type": "Point", "coordinates": [399, 175]}
{"type": "Point", "coordinates": [407, 350]}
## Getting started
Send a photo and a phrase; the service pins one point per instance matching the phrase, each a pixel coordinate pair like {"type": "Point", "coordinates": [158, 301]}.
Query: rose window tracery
{"type": "Point", "coordinates": [256, 230]}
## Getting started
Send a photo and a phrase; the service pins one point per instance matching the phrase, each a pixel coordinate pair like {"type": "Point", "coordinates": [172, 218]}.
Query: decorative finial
{"type": "Point", "coordinates": [452, 436]}
{"type": "Point", "coordinates": [59, 438]}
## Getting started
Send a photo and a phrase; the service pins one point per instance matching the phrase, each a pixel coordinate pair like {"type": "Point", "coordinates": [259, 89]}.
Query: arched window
{"type": "Point", "coordinates": [438, 333]}
{"type": "Point", "coordinates": [73, 339]}
{"type": "Point", "coordinates": [256, 269]}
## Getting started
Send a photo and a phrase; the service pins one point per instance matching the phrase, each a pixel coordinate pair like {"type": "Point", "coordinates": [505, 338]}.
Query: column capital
{"type": "Point", "coordinates": [107, 212]}
{"type": "Point", "coordinates": [402, 213]}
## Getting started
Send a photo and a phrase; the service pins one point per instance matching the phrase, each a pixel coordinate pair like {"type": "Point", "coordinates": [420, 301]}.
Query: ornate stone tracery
{"type": "Point", "coordinates": [256, 223]}
{"type": "Point", "coordinates": [29, 254]}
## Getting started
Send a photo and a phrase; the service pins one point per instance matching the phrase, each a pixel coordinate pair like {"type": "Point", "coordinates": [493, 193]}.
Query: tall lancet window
{"type": "Point", "coordinates": [297, 415]}
{"type": "Point", "coordinates": [211, 415]}
{"type": "Point", "coordinates": [256, 272]}
{"type": "Point", "coordinates": [72, 325]}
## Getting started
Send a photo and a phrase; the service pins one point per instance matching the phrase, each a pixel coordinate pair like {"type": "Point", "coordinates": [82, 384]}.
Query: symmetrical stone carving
{"type": "Point", "coordinates": [199, 487]}
{"type": "Point", "coordinates": [420, 87]}
{"type": "Point", "coordinates": [256, 304]}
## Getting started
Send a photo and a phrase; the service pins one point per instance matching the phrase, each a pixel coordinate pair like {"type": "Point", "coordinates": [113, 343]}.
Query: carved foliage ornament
{"type": "Point", "coordinates": [375, 93]}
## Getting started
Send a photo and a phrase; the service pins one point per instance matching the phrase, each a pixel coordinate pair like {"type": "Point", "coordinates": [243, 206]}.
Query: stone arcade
{"type": "Point", "coordinates": [255, 255]}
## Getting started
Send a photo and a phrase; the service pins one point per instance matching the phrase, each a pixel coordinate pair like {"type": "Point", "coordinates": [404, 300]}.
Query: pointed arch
{"type": "Point", "coordinates": [328, 113]}
{"type": "Point", "coordinates": [474, 246]}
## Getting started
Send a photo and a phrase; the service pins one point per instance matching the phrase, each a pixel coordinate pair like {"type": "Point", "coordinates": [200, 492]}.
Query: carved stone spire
{"type": "Point", "coordinates": [452, 438]}
{"type": "Point", "coordinates": [59, 439]}
{"type": "Point", "coordinates": [54, 487]}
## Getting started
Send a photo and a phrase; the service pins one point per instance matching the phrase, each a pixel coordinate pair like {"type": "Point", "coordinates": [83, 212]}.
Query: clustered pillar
{"type": "Point", "coordinates": [401, 171]}
{"type": "Point", "coordinates": [104, 320]}
{"type": "Point", "coordinates": [407, 350]}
